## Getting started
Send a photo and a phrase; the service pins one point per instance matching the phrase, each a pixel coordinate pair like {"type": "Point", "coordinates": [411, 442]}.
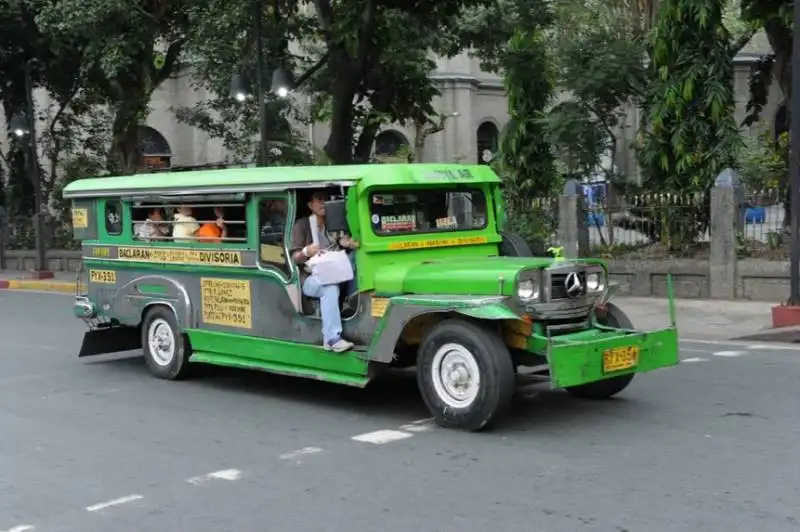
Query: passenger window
{"type": "Point", "coordinates": [113, 217]}
{"type": "Point", "coordinates": [272, 226]}
{"type": "Point", "coordinates": [208, 221]}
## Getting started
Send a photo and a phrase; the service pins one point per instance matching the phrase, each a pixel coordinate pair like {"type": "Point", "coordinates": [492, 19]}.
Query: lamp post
{"type": "Point", "coordinates": [23, 128]}
{"type": "Point", "coordinates": [281, 85]}
{"type": "Point", "coordinates": [794, 166]}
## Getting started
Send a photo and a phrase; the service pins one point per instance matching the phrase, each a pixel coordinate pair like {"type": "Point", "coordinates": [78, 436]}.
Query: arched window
{"type": "Point", "coordinates": [154, 148]}
{"type": "Point", "coordinates": [390, 143]}
{"type": "Point", "coordinates": [487, 142]}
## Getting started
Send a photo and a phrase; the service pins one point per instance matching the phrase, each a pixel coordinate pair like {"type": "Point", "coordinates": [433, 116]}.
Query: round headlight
{"type": "Point", "coordinates": [594, 282]}
{"type": "Point", "coordinates": [527, 289]}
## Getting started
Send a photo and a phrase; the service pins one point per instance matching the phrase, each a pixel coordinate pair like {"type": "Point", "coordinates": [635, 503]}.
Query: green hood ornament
{"type": "Point", "coordinates": [558, 253]}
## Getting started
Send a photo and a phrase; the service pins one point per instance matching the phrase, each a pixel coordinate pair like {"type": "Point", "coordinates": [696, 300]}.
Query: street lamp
{"type": "Point", "coordinates": [282, 85]}
{"type": "Point", "coordinates": [18, 126]}
{"type": "Point", "coordinates": [238, 88]}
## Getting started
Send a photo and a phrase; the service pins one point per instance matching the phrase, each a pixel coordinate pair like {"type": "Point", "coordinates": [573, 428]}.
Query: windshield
{"type": "Point", "coordinates": [427, 211]}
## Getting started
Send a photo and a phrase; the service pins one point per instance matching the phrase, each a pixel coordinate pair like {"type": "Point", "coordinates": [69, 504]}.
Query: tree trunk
{"type": "Point", "coordinates": [780, 39]}
{"type": "Point", "coordinates": [339, 147]}
{"type": "Point", "coordinates": [125, 154]}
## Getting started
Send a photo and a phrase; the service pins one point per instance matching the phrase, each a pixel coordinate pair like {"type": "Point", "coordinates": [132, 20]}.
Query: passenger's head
{"type": "Point", "coordinates": [317, 203]}
{"type": "Point", "coordinates": [184, 210]}
{"type": "Point", "coordinates": [155, 215]}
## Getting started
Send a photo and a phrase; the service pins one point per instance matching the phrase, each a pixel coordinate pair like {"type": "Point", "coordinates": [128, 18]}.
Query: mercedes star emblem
{"type": "Point", "coordinates": [573, 285]}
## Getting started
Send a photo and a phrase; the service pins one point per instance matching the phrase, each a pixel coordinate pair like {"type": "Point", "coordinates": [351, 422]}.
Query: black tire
{"type": "Point", "coordinates": [514, 245]}
{"type": "Point", "coordinates": [612, 316]}
{"type": "Point", "coordinates": [175, 367]}
{"type": "Point", "coordinates": [494, 365]}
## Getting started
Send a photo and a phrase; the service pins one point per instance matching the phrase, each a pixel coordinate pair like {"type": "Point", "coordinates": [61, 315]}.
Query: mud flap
{"type": "Point", "coordinates": [110, 340]}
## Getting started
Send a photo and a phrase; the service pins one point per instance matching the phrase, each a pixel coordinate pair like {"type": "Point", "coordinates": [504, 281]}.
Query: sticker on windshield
{"type": "Point", "coordinates": [446, 223]}
{"type": "Point", "coordinates": [405, 222]}
{"type": "Point", "coordinates": [376, 219]}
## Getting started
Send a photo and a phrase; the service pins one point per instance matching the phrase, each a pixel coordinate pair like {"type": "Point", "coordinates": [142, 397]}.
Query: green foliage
{"type": "Point", "coordinates": [525, 156]}
{"type": "Point", "coordinates": [601, 70]}
{"type": "Point", "coordinates": [121, 57]}
{"type": "Point", "coordinates": [691, 135]}
{"type": "Point", "coordinates": [761, 162]}
{"type": "Point", "coordinates": [379, 65]}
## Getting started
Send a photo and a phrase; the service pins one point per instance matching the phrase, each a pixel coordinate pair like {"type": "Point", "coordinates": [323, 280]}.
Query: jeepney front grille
{"type": "Point", "coordinates": [557, 288]}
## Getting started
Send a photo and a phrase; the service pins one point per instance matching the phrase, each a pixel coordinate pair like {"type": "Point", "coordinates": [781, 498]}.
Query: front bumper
{"type": "Point", "coordinates": [579, 358]}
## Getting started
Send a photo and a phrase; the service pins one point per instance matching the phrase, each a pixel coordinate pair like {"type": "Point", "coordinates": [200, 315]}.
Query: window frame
{"type": "Point", "coordinates": [124, 213]}
{"type": "Point", "coordinates": [288, 274]}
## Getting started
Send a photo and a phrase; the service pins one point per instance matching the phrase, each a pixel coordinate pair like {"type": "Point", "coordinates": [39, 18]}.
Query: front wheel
{"type": "Point", "coordinates": [611, 316]}
{"type": "Point", "coordinates": [465, 375]}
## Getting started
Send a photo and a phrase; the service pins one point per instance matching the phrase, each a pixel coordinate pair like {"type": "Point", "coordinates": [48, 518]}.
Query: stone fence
{"type": "Point", "coordinates": [722, 275]}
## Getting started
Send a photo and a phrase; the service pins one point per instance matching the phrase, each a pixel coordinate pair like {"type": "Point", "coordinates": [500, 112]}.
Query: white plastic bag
{"type": "Point", "coordinates": [331, 267]}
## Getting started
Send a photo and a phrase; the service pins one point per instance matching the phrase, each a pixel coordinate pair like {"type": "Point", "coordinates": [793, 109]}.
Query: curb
{"type": "Point", "coordinates": [64, 287]}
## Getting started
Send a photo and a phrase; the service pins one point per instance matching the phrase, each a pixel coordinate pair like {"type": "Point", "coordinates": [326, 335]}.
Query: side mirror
{"type": "Point", "coordinates": [336, 216]}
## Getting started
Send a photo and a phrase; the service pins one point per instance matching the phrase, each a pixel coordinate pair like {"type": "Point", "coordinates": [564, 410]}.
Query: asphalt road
{"type": "Point", "coordinates": [100, 445]}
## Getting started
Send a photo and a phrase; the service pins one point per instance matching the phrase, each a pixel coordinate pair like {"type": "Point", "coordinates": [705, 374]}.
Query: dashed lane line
{"type": "Point", "coordinates": [297, 454]}
{"type": "Point", "coordinates": [379, 437]}
{"type": "Point", "coordinates": [114, 502]}
{"type": "Point", "coordinates": [19, 528]}
{"type": "Point", "coordinates": [225, 474]}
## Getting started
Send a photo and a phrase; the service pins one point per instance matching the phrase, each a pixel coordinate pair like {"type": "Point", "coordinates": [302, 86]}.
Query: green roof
{"type": "Point", "coordinates": [277, 178]}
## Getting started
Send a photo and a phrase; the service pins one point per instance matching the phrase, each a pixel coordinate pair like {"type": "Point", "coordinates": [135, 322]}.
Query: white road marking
{"type": "Point", "coordinates": [19, 528]}
{"type": "Point", "coordinates": [380, 437]}
{"type": "Point", "coordinates": [749, 345]}
{"type": "Point", "coordinates": [420, 425]}
{"type": "Point", "coordinates": [224, 474]}
{"type": "Point", "coordinates": [729, 354]}
{"type": "Point", "coordinates": [695, 359]}
{"type": "Point", "coordinates": [690, 350]}
{"type": "Point", "coordinates": [300, 452]}
{"type": "Point", "coordinates": [114, 502]}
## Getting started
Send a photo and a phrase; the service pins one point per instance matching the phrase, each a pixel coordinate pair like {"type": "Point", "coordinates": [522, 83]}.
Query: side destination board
{"type": "Point", "coordinates": [180, 256]}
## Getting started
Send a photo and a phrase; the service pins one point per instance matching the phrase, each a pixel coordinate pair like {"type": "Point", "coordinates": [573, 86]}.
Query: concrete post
{"type": "Point", "coordinates": [723, 262]}
{"type": "Point", "coordinates": [573, 233]}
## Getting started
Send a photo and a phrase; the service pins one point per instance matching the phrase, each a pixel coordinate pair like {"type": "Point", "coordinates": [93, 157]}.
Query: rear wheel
{"type": "Point", "coordinates": [465, 375]}
{"type": "Point", "coordinates": [611, 316]}
{"type": "Point", "coordinates": [165, 347]}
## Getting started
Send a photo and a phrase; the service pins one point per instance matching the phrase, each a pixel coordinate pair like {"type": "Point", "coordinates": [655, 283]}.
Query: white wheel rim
{"type": "Point", "coordinates": [456, 376]}
{"type": "Point", "coordinates": [161, 341]}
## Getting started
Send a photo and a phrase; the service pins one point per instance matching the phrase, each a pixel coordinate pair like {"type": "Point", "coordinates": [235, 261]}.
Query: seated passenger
{"type": "Point", "coordinates": [153, 227]}
{"type": "Point", "coordinates": [309, 237]}
{"type": "Point", "coordinates": [213, 231]}
{"type": "Point", "coordinates": [185, 225]}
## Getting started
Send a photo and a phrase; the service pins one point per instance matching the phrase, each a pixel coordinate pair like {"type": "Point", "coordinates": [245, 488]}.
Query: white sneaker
{"type": "Point", "coordinates": [338, 346]}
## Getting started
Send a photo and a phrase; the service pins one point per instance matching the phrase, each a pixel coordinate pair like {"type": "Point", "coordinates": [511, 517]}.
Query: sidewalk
{"type": "Point", "coordinates": [701, 319]}
{"type": "Point", "coordinates": [63, 282]}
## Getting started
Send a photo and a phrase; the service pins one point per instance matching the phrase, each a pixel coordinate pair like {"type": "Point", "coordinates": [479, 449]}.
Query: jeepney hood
{"type": "Point", "coordinates": [456, 275]}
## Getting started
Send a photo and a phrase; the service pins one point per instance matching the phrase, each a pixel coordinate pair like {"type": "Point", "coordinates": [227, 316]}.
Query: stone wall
{"type": "Point", "coordinates": [756, 279]}
{"type": "Point", "coordinates": [59, 260]}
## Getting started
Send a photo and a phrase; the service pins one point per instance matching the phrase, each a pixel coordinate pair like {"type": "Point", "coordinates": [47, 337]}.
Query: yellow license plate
{"type": "Point", "coordinates": [620, 358]}
{"type": "Point", "coordinates": [102, 276]}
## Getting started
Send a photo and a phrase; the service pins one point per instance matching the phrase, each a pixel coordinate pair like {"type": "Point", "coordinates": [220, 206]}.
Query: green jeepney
{"type": "Point", "coordinates": [440, 286]}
